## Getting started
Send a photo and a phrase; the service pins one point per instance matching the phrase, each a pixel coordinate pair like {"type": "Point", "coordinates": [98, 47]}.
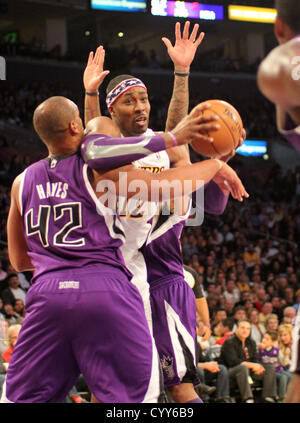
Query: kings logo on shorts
{"type": "Point", "coordinates": [167, 366]}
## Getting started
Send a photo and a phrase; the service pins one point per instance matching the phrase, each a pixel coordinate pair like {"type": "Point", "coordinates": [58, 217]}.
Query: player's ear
{"type": "Point", "coordinates": [279, 29]}
{"type": "Point", "coordinates": [74, 127]}
{"type": "Point", "coordinates": [111, 110]}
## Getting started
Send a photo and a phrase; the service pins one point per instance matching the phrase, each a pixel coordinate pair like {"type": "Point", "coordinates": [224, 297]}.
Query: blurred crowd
{"type": "Point", "coordinates": [123, 56]}
{"type": "Point", "coordinates": [18, 101]}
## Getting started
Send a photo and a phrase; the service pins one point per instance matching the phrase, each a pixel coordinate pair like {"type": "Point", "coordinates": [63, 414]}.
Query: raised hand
{"type": "Point", "coordinates": [94, 74]}
{"type": "Point", "coordinates": [183, 52]}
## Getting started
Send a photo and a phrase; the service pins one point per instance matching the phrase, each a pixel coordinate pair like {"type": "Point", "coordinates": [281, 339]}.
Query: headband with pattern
{"type": "Point", "coordinates": [121, 88]}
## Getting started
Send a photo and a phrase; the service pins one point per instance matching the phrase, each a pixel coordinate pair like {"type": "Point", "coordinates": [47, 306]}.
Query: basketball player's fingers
{"type": "Point", "coordinates": [167, 42]}
{"type": "Point", "coordinates": [199, 39]}
{"type": "Point", "coordinates": [102, 76]}
{"type": "Point", "coordinates": [223, 187]}
{"type": "Point", "coordinates": [194, 33]}
{"type": "Point", "coordinates": [98, 54]}
{"type": "Point", "coordinates": [177, 31]}
{"type": "Point", "coordinates": [240, 190]}
{"type": "Point", "coordinates": [101, 58]}
{"type": "Point", "coordinates": [197, 110]}
{"type": "Point", "coordinates": [186, 28]}
{"type": "Point", "coordinates": [207, 119]}
{"type": "Point", "coordinates": [90, 59]}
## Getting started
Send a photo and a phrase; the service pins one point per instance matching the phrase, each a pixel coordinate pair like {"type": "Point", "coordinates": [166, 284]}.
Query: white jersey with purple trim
{"type": "Point", "coordinates": [136, 217]}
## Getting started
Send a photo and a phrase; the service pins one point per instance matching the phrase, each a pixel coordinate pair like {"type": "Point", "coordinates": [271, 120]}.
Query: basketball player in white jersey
{"type": "Point", "coordinates": [133, 213]}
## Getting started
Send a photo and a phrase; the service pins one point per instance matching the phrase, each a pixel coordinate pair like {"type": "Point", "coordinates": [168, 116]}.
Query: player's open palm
{"type": "Point", "coordinates": [183, 52]}
{"type": "Point", "coordinates": [94, 74]}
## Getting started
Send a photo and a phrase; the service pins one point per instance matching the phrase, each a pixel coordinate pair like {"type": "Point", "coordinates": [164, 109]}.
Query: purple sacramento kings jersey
{"type": "Point", "coordinates": [289, 129]}
{"type": "Point", "coordinates": [65, 225]}
{"type": "Point", "coordinates": [162, 252]}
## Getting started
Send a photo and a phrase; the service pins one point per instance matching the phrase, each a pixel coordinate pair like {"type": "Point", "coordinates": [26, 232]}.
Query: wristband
{"type": "Point", "coordinates": [175, 143]}
{"type": "Point", "coordinates": [87, 93]}
{"type": "Point", "coordinates": [207, 325]}
{"type": "Point", "coordinates": [181, 74]}
{"type": "Point", "coordinates": [220, 163]}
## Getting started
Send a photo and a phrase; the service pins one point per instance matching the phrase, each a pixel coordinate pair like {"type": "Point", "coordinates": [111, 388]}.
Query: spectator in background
{"type": "Point", "coordinates": [266, 309]}
{"type": "Point", "coordinates": [229, 307]}
{"type": "Point", "coordinates": [242, 282]}
{"type": "Point", "coordinates": [19, 309]}
{"type": "Point", "coordinates": [251, 257]}
{"type": "Point", "coordinates": [3, 274]}
{"type": "Point", "coordinates": [12, 334]}
{"type": "Point", "coordinates": [219, 315]}
{"type": "Point", "coordinates": [232, 291]}
{"type": "Point", "coordinates": [277, 307]}
{"type": "Point", "coordinates": [257, 329]}
{"type": "Point", "coordinates": [289, 296]}
{"type": "Point", "coordinates": [211, 372]}
{"type": "Point", "coordinates": [10, 316]}
{"type": "Point", "coordinates": [225, 330]}
{"type": "Point", "coordinates": [272, 323]}
{"type": "Point", "coordinates": [3, 329]}
{"type": "Point", "coordinates": [269, 354]}
{"type": "Point", "coordinates": [239, 355]}
{"type": "Point", "coordinates": [14, 291]}
{"type": "Point", "coordinates": [261, 298]}
{"type": "Point", "coordinates": [285, 344]}
{"type": "Point", "coordinates": [289, 314]}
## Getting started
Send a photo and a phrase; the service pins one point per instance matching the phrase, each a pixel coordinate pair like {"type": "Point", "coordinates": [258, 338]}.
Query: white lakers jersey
{"type": "Point", "coordinates": [136, 218]}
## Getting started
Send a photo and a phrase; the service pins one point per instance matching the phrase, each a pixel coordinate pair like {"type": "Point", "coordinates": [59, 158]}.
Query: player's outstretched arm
{"type": "Point", "coordinates": [17, 246]}
{"type": "Point", "coordinates": [182, 54]}
{"type": "Point", "coordinates": [172, 183]}
{"type": "Point", "coordinates": [93, 77]}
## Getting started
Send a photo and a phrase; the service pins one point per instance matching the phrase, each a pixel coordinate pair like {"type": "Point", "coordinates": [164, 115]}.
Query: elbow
{"type": "Point", "coordinates": [21, 264]}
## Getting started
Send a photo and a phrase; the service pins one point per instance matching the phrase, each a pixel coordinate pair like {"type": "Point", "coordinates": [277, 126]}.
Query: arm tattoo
{"type": "Point", "coordinates": [179, 103]}
{"type": "Point", "coordinates": [91, 108]}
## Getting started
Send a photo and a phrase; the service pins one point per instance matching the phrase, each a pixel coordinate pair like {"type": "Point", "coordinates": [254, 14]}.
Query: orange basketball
{"type": "Point", "coordinates": [227, 137]}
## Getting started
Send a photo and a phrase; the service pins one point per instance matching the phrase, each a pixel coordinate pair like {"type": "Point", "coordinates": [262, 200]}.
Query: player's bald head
{"type": "Point", "coordinates": [51, 118]}
{"type": "Point", "coordinates": [289, 12]}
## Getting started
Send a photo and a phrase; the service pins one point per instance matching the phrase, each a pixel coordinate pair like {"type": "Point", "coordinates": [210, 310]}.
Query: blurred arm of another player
{"type": "Point", "coordinates": [93, 77]}
{"type": "Point", "coordinates": [278, 79]}
{"type": "Point", "coordinates": [17, 246]}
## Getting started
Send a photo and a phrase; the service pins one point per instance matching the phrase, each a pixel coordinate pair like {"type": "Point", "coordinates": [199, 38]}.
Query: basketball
{"type": "Point", "coordinates": [227, 137]}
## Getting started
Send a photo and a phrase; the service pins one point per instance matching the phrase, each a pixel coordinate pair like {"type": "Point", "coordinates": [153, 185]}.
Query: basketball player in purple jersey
{"type": "Point", "coordinates": [79, 276]}
{"type": "Point", "coordinates": [279, 73]}
{"type": "Point", "coordinates": [279, 80]}
{"type": "Point", "coordinates": [118, 113]}
{"type": "Point", "coordinates": [79, 272]}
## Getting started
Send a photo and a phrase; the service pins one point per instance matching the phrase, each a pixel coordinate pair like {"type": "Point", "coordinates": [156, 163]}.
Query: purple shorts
{"type": "Point", "coordinates": [88, 321]}
{"type": "Point", "coordinates": [173, 307]}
